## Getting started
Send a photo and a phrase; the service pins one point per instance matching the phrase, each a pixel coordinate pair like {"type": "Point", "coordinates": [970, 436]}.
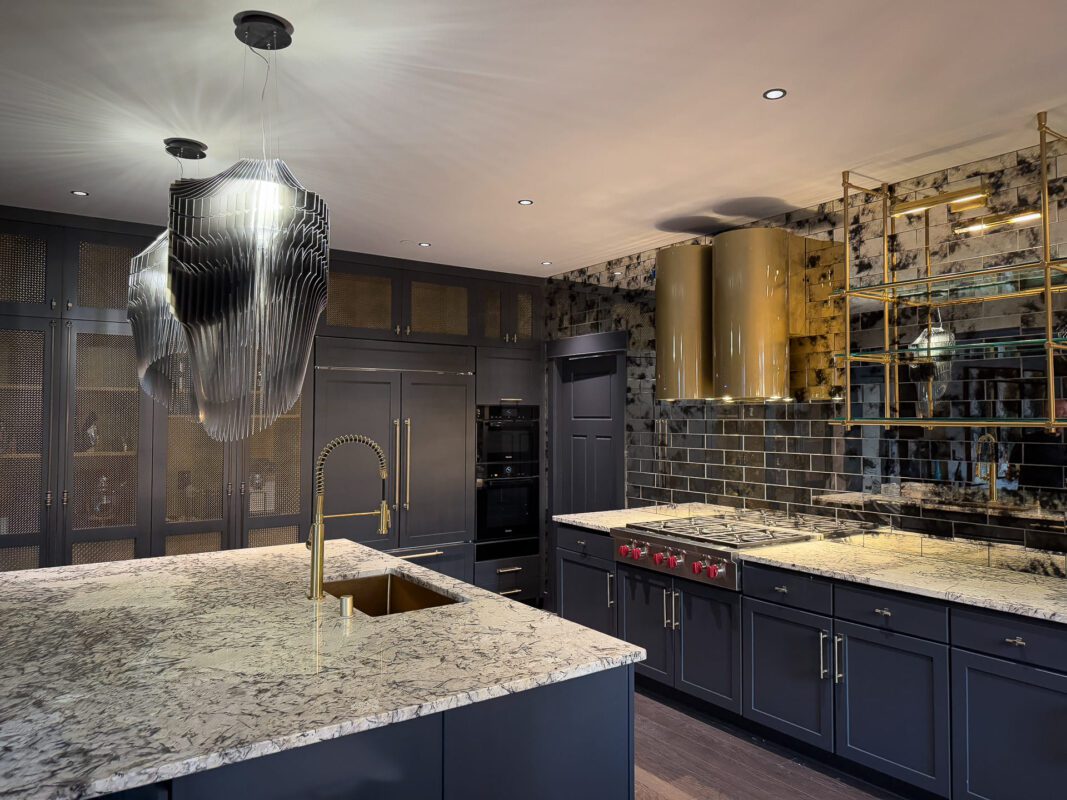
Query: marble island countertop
{"type": "Point", "coordinates": [127, 673]}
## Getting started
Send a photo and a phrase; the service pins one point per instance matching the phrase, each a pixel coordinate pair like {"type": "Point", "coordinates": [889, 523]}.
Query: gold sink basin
{"type": "Point", "coordinates": [378, 595]}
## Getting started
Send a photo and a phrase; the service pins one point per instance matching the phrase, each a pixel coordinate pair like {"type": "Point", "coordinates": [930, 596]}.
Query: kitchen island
{"type": "Point", "coordinates": [205, 675]}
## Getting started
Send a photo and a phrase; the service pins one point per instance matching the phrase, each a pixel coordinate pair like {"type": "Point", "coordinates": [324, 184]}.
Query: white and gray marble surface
{"type": "Point", "coordinates": [123, 674]}
{"type": "Point", "coordinates": [606, 520]}
{"type": "Point", "coordinates": [1006, 590]}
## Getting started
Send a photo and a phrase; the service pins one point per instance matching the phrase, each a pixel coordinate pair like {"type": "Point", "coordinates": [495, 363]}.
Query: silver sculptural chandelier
{"type": "Point", "coordinates": [226, 302]}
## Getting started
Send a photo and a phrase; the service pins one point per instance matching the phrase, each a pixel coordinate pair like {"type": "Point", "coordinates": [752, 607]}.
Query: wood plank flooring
{"type": "Point", "coordinates": [686, 755]}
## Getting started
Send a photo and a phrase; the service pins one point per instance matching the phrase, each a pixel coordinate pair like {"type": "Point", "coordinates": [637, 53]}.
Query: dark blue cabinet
{"type": "Point", "coordinates": [707, 642]}
{"type": "Point", "coordinates": [586, 590]}
{"type": "Point", "coordinates": [787, 675]}
{"type": "Point", "coordinates": [1009, 724]}
{"type": "Point", "coordinates": [645, 619]}
{"type": "Point", "coordinates": [692, 634]}
{"type": "Point", "coordinates": [892, 704]}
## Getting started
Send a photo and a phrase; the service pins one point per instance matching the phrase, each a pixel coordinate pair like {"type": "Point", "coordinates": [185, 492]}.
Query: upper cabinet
{"type": "Point", "coordinates": [31, 268]}
{"type": "Point", "coordinates": [96, 277]}
{"type": "Point", "coordinates": [373, 301]}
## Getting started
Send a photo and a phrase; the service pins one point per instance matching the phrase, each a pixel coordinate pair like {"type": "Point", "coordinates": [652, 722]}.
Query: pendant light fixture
{"type": "Point", "coordinates": [247, 276]}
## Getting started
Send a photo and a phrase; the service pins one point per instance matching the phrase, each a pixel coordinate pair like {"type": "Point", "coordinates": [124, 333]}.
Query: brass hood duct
{"type": "Point", "coordinates": [683, 322]}
{"type": "Point", "coordinates": [750, 309]}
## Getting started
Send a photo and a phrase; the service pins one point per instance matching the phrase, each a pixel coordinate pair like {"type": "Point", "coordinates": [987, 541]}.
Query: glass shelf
{"type": "Point", "coordinates": [988, 348]}
{"type": "Point", "coordinates": [955, 422]}
{"type": "Point", "coordinates": [993, 283]}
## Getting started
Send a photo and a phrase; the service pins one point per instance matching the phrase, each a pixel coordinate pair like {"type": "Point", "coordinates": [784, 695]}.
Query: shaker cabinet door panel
{"type": "Point", "coordinates": [892, 705]}
{"type": "Point", "coordinates": [1009, 730]}
{"type": "Point", "coordinates": [788, 673]}
{"type": "Point", "coordinates": [510, 375]}
{"type": "Point", "coordinates": [708, 643]}
{"type": "Point", "coordinates": [645, 619]}
{"type": "Point", "coordinates": [586, 592]}
{"type": "Point", "coordinates": [437, 493]}
{"type": "Point", "coordinates": [367, 403]}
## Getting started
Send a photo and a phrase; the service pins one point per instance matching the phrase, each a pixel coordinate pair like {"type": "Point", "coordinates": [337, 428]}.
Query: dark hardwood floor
{"type": "Point", "coordinates": [686, 755]}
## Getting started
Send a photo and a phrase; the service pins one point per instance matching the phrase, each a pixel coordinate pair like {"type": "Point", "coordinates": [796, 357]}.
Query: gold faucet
{"type": "Point", "coordinates": [316, 542]}
{"type": "Point", "coordinates": [987, 454]}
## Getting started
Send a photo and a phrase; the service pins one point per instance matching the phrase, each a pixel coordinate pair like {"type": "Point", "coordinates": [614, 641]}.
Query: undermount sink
{"type": "Point", "coordinates": [378, 595]}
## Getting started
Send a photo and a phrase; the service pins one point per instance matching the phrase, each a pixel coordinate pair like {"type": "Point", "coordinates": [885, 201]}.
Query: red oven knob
{"type": "Point", "coordinates": [624, 550]}
{"type": "Point", "coordinates": [672, 562]}
{"type": "Point", "coordinates": [713, 571]}
{"type": "Point", "coordinates": [698, 567]}
{"type": "Point", "coordinates": [659, 558]}
{"type": "Point", "coordinates": [637, 554]}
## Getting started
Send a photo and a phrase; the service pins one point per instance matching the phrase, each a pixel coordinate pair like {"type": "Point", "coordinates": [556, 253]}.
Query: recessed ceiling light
{"type": "Point", "coordinates": [546, 263]}
{"type": "Point", "coordinates": [424, 244]}
{"type": "Point", "coordinates": [79, 193]}
{"type": "Point", "coordinates": [526, 202]}
{"type": "Point", "coordinates": [774, 94]}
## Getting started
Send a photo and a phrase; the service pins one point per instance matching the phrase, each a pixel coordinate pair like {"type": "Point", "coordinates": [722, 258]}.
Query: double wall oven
{"type": "Point", "coordinates": [508, 480]}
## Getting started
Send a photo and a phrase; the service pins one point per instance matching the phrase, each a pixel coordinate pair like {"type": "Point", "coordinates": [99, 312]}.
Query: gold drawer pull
{"type": "Point", "coordinates": [413, 556]}
{"type": "Point", "coordinates": [782, 589]}
{"type": "Point", "coordinates": [511, 591]}
{"type": "Point", "coordinates": [883, 612]}
{"type": "Point", "coordinates": [506, 570]}
{"type": "Point", "coordinates": [1016, 642]}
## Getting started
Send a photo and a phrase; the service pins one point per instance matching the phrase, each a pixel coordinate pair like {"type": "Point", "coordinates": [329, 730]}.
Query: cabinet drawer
{"type": "Point", "coordinates": [586, 542]}
{"type": "Point", "coordinates": [453, 560]}
{"type": "Point", "coordinates": [787, 588]}
{"type": "Point", "coordinates": [1008, 636]}
{"type": "Point", "coordinates": [517, 578]}
{"type": "Point", "coordinates": [890, 611]}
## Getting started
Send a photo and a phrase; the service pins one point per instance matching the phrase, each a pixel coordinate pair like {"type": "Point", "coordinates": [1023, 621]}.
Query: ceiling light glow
{"type": "Point", "coordinates": [546, 263]}
{"type": "Point", "coordinates": [774, 94]}
{"type": "Point", "coordinates": [424, 244]}
{"type": "Point", "coordinates": [526, 202]}
{"type": "Point", "coordinates": [79, 193]}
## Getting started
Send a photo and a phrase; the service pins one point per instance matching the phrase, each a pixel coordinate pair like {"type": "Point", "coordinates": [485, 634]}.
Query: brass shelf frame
{"type": "Point", "coordinates": [886, 294]}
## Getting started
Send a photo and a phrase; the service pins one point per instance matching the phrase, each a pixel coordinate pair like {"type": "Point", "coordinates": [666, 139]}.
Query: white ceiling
{"type": "Point", "coordinates": [629, 122]}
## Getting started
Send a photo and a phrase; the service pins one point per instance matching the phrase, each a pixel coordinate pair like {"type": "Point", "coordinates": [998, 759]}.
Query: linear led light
{"type": "Point", "coordinates": [945, 198]}
{"type": "Point", "coordinates": [998, 221]}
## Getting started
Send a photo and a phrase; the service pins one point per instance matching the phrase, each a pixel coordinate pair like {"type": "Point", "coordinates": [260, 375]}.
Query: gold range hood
{"type": "Point", "coordinates": [722, 318]}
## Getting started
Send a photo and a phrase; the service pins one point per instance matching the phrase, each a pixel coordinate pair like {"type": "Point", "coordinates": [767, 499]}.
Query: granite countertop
{"type": "Point", "coordinates": [1000, 589]}
{"type": "Point", "coordinates": [126, 673]}
{"type": "Point", "coordinates": [606, 520]}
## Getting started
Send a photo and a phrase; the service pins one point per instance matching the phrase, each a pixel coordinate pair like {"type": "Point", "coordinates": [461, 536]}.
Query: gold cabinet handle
{"type": "Point", "coordinates": [823, 671]}
{"type": "Point", "coordinates": [407, 467]}
{"type": "Point", "coordinates": [510, 591]}
{"type": "Point", "coordinates": [396, 469]}
{"type": "Point", "coordinates": [414, 556]}
{"type": "Point", "coordinates": [611, 594]}
{"type": "Point", "coordinates": [838, 674]}
{"type": "Point", "coordinates": [1016, 642]}
{"type": "Point", "coordinates": [506, 570]}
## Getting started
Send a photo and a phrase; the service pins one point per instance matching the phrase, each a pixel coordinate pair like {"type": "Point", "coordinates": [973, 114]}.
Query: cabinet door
{"type": "Point", "coordinates": [1008, 730]}
{"type": "Point", "coordinates": [586, 592]}
{"type": "Point", "coordinates": [438, 308]}
{"type": "Point", "coordinates": [490, 314]}
{"type": "Point", "coordinates": [437, 499]}
{"type": "Point", "coordinates": [787, 671]}
{"type": "Point", "coordinates": [31, 269]}
{"type": "Point", "coordinates": [26, 441]}
{"type": "Point", "coordinates": [892, 705]}
{"type": "Point", "coordinates": [524, 318]}
{"type": "Point", "coordinates": [96, 280]}
{"type": "Point", "coordinates": [645, 619]}
{"type": "Point", "coordinates": [274, 480]}
{"type": "Point", "coordinates": [364, 301]}
{"type": "Point", "coordinates": [365, 403]}
{"type": "Point", "coordinates": [510, 375]}
{"type": "Point", "coordinates": [708, 643]}
{"type": "Point", "coordinates": [107, 446]}
{"type": "Point", "coordinates": [192, 482]}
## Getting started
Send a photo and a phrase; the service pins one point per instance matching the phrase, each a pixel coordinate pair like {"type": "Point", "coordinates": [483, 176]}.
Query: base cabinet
{"type": "Point", "coordinates": [454, 560]}
{"type": "Point", "coordinates": [892, 705]}
{"type": "Point", "coordinates": [1009, 729]}
{"type": "Point", "coordinates": [586, 590]}
{"type": "Point", "coordinates": [691, 632]}
{"type": "Point", "coordinates": [787, 671]}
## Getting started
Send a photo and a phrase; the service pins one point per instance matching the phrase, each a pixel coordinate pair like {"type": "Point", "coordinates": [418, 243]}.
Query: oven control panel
{"type": "Point", "coordinates": [693, 563]}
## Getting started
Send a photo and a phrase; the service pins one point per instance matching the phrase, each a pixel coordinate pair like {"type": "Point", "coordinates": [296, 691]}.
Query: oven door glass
{"type": "Point", "coordinates": [508, 441]}
{"type": "Point", "coordinates": [507, 508]}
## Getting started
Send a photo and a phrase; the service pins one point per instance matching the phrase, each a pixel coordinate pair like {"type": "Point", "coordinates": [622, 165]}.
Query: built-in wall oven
{"type": "Point", "coordinates": [508, 480]}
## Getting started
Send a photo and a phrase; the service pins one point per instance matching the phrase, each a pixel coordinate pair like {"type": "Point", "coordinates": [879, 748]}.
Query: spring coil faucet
{"type": "Point", "coordinates": [316, 542]}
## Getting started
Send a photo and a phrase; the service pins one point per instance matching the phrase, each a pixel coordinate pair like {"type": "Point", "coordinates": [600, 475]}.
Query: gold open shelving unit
{"type": "Point", "coordinates": [1046, 277]}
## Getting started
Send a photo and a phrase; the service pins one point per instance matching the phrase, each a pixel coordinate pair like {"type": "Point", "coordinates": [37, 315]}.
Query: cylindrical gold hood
{"type": "Point", "coordinates": [683, 322]}
{"type": "Point", "coordinates": [750, 309]}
